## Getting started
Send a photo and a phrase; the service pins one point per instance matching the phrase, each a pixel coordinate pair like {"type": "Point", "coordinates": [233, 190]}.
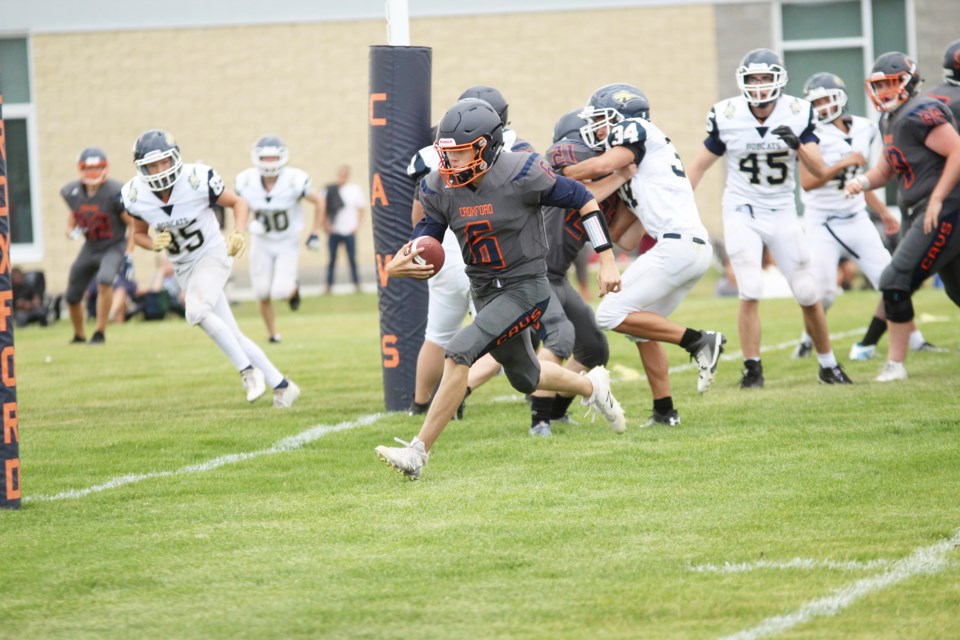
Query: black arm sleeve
{"type": "Point", "coordinates": [566, 194]}
{"type": "Point", "coordinates": [429, 227]}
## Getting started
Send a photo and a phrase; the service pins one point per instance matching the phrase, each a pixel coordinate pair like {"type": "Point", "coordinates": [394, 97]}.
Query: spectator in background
{"type": "Point", "coordinates": [97, 215]}
{"type": "Point", "coordinates": [27, 300]}
{"type": "Point", "coordinates": [345, 203]}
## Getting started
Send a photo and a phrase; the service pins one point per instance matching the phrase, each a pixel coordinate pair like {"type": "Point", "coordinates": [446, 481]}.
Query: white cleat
{"type": "Point", "coordinates": [407, 460]}
{"type": "Point", "coordinates": [892, 371]}
{"type": "Point", "coordinates": [253, 384]}
{"type": "Point", "coordinates": [285, 397]}
{"type": "Point", "coordinates": [707, 355]}
{"type": "Point", "coordinates": [602, 400]}
{"type": "Point", "coordinates": [861, 352]}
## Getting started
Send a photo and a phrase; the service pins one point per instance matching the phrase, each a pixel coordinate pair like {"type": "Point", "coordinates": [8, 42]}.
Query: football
{"type": "Point", "coordinates": [432, 252]}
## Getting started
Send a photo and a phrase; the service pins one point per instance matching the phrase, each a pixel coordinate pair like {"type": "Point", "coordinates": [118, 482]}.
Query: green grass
{"type": "Point", "coordinates": [582, 535]}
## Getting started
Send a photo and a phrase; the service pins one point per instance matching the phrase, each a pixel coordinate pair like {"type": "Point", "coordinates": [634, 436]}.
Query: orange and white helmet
{"type": "Point", "coordinates": [93, 167]}
{"type": "Point", "coordinates": [893, 80]}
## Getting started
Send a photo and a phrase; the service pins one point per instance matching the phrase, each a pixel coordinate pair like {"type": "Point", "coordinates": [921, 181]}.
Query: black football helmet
{"type": "Point", "coordinates": [826, 85]}
{"type": "Point", "coordinates": [269, 155]}
{"type": "Point", "coordinates": [469, 125]}
{"type": "Point", "coordinates": [609, 105]}
{"type": "Point", "coordinates": [569, 125]}
{"type": "Point", "coordinates": [93, 166]}
{"type": "Point", "coordinates": [951, 63]}
{"type": "Point", "coordinates": [761, 62]}
{"type": "Point", "coordinates": [152, 146]}
{"type": "Point", "coordinates": [893, 80]}
{"type": "Point", "coordinates": [493, 97]}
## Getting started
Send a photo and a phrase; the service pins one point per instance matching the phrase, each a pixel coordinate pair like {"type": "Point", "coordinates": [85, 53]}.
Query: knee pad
{"type": "Point", "coordinates": [523, 379]}
{"type": "Point", "coordinates": [804, 288]}
{"type": "Point", "coordinates": [196, 313]}
{"type": "Point", "coordinates": [898, 305]}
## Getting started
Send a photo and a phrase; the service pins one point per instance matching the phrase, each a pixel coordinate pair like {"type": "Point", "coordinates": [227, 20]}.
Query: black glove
{"type": "Point", "coordinates": [788, 136]}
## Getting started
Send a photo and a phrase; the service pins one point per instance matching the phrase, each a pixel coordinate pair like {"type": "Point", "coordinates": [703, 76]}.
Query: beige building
{"type": "Point", "coordinates": [221, 74]}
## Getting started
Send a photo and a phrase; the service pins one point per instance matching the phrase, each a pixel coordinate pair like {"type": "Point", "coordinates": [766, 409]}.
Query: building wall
{"type": "Point", "coordinates": [218, 89]}
{"type": "Point", "coordinates": [937, 26]}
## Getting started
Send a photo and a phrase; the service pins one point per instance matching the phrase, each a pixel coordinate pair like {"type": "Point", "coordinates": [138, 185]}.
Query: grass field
{"type": "Point", "coordinates": [159, 504]}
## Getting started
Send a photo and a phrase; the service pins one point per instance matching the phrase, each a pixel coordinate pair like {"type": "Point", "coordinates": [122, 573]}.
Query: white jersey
{"type": "Point", "coordinates": [760, 166]}
{"type": "Point", "coordinates": [188, 214]}
{"type": "Point", "coordinates": [279, 209]}
{"type": "Point", "coordinates": [659, 194]}
{"type": "Point", "coordinates": [829, 200]}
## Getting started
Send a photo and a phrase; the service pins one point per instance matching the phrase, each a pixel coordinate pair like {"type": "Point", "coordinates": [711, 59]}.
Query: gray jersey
{"type": "Point", "coordinates": [498, 224]}
{"type": "Point", "coordinates": [565, 233]}
{"type": "Point", "coordinates": [918, 168]}
{"type": "Point", "coordinates": [99, 215]}
{"type": "Point", "coordinates": [948, 94]}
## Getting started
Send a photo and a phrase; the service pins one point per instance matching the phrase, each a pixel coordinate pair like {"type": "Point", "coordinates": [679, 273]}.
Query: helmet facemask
{"type": "Point", "coordinates": [93, 172]}
{"type": "Point", "coordinates": [164, 179]}
{"type": "Point", "coordinates": [831, 109]}
{"type": "Point", "coordinates": [598, 118]}
{"type": "Point", "coordinates": [464, 174]}
{"type": "Point", "coordinates": [759, 94]}
{"type": "Point", "coordinates": [888, 91]}
{"type": "Point", "coordinates": [278, 157]}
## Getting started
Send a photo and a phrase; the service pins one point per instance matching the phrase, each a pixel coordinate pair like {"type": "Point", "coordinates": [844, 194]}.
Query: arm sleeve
{"type": "Point", "coordinates": [215, 186]}
{"type": "Point", "coordinates": [429, 227]}
{"type": "Point", "coordinates": [713, 142]}
{"type": "Point", "coordinates": [566, 194]}
{"type": "Point", "coordinates": [809, 133]}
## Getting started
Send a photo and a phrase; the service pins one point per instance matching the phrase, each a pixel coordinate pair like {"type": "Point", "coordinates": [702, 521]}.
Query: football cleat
{"type": "Point", "coordinates": [707, 352]}
{"type": "Point", "coordinates": [803, 350]}
{"type": "Point", "coordinates": [274, 339]}
{"type": "Point", "coordinates": [407, 460]}
{"type": "Point", "coordinates": [602, 400]}
{"type": "Point", "coordinates": [542, 429]}
{"type": "Point", "coordinates": [253, 383]}
{"type": "Point", "coordinates": [929, 347]}
{"type": "Point", "coordinates": [670, 418]}
{"type": "Point", "coordinates": [833, 375]}
{"type": "Point", "coordinates": [752, 378]}
{"type": "Point", "coordinates": [862, 352]}
{"type": "Point", "coordinates": [294, 300]}
{"type": "Point", "coordinates": [892, 372]}
{"type": "Point", "coordinates": [98, 338]}
{"type": "Point", "coordinates": [285, 397]}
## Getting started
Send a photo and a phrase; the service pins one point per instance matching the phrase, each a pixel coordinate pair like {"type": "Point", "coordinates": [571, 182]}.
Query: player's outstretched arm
{"type": "Point", "coordinates": [601, 165]}
{"type": "Point", "coordinates": [809, 182]}
{"type": "Point", "coordinates": [701, 162]}
{"type": "Point", "coordinates": [874, 178]}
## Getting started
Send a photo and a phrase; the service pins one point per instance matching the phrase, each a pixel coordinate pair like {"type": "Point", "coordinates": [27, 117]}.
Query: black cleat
{"type": "Point", "coordinates": [670, 418]}
{"type": "Point", "coordinates": [833, 375]}
{"type": "Point", "coordinates": [295, 300]}
{"type": "Point", "coordinates": [98, 338]}
{"type": "Point", "coordinates": [752, 378]}
{"type": "Point", "coordinates": [78, 340]}
{"type": "Point", "coordinates": [417, 409]}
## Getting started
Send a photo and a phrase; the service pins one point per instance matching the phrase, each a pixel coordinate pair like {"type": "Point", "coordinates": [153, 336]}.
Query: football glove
{"type": "Point", "coordinates": [235, 244]}
{"type": "Point", "coordinates": [162, 240]}
{"type": "Point", "coordinates": [788, 136]}
{"type": "Point", "coordinates": [313, 242]}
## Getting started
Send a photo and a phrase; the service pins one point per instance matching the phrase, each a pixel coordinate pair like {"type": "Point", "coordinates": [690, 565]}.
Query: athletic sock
{"type": "Point", "coordinates": [827, 360]}
{"type": "Point", "coordinates": [540, 410]}
{"type": "Point", "coordinates": [874, 332]}
{"type": "Point", "coordinates": [560, 406]}
{"type": "Point", "coordinates": [690, 338]}
{"type": "Point", "coordinates": [663, 405]}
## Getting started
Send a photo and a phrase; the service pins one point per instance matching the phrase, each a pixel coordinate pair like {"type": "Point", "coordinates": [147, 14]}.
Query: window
{"type": "Point", "coordinates": [26, 239]}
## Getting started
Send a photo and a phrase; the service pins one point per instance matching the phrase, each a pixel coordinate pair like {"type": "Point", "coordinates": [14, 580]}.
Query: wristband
{"type": "Point", "coordinates": [864, 181]}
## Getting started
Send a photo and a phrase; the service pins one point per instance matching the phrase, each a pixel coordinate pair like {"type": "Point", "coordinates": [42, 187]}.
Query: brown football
{"type": "Point", "coordinates": [432, 252]}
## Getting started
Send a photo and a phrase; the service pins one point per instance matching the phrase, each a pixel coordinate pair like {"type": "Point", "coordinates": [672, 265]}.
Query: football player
{"type": "Point", "coordinates": [449, 300]}
{"type": "Point", "coordinates": [97, 216]}
{"type": "Point", "coordinates": [922, 148]}
{"type": "Point", "coordinates": [839, 226]}
{"type": "Point", "coordinates": [660, 197]}
{"type": "Point", "coordinates": [948, 91]}
{"type": "Point", "coordinates": [763, 132]}
{"type": "Point", "coordinates": [176, 199]}
{"type": "Point", "coordinates": [569, 324]}
{"type": "Point", "coordinates": [273, 192]}
{"type": "Point", "coordinates": [492, 202]}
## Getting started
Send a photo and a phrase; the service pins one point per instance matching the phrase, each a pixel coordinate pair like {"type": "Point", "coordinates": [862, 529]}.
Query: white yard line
{"type": "Point", "coordinates": [923, 561]}
{"type": "Point", "coordinates": [796, 563]}
{"type": "Point", "coordinates": [284, 445]}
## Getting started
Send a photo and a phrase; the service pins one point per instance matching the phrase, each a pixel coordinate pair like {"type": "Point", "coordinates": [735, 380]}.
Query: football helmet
{"type": "Point", "coordinates": [893, 80]}
{"type": "Point", "coordinates": [609, 105]}
{"type": "Point", "coordinates": [761, 62]}
{"type": "Point", "coordinates": [951, 63]}
{"type": "Point", "coordinates": [93, 166]}
{"type": "Point", "coordinates": [492, 97]}
{"type": "Point", "coordinates": [569, 125]}
{"type": "Point", "coordinates": [469, 125]}
{"type": "Point", "coordinates": [152, 146]}
{"type": "Point", "coordinates": [826, 85]}
{"type": "Point", "coordinates": [269, 147]}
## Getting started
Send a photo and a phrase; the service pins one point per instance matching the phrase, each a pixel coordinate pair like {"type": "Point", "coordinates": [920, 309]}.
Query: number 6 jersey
{"type": "Point", "coordinates": [760, 166]}
{"type": "Point", "coordinates": [187, 214]}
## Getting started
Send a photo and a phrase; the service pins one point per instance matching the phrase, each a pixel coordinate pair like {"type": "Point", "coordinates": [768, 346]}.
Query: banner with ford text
{"type": "Point", "coordinates": [399, 127]}
{"type": "Point", "coordinates": [10, 442]}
